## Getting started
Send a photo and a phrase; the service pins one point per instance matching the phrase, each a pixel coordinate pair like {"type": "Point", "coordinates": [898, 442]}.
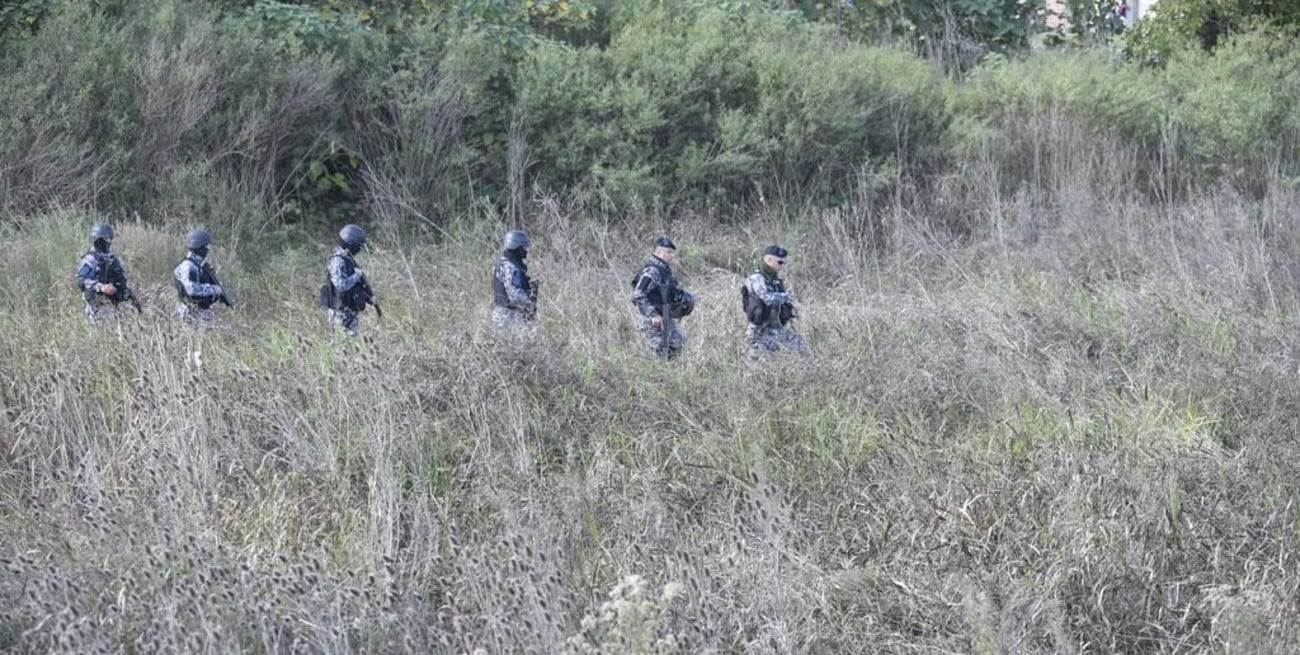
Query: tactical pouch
{"type": "Point", "coordinates": [355, 298]}
{"type": "Point", "coordinates": [327, 299]}
{"type": "Point", "coordinates": [683, 304]}
{"type": "Point", "coordinates": [755, 310]}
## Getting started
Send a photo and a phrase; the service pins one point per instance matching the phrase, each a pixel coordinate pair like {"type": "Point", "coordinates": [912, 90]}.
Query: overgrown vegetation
{"type": "Point", "coordinates": [261, 116]}
{"type": "Point", "coordinates": [1052, 302]}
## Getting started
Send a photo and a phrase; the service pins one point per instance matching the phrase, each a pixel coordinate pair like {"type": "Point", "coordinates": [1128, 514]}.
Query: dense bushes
{"type": "Point", "coordinates": [720, 108]}
{"type": "Point", "coordinates": [1235, 109]}
{"type": "Point", "coordinates": [1030, 116]}
{"type": "Point", "coordinates": [66, 113]}
{"type": "Point", "coordinates": [1205, 118]}
{"type": "Point", "coordinates": [275, 113]}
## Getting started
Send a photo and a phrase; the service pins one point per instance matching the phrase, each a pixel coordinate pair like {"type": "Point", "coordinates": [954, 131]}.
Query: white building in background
{"type": "Point", "coordinates": [1136, 8]}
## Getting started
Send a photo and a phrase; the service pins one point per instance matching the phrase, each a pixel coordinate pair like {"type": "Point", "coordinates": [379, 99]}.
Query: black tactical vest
{"type": "Point", "coordinates": [499, 296]}
{"type": "Point", "coordinates": [669, 287]}
{"type": "Point", "coordinates": [760, 313]}
{"type": "Point", "coordinates": [204, 275]}
{"type": "Point", "coordinates": [355, 298]}
{"type": "Point", "coordinates": [108, 270]}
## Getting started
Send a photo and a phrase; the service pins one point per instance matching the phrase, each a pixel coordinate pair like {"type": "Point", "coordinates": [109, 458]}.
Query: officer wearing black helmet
{"type": "Point", "coordinates": [514, 294]}
{"type": "Point", "coordinates": [660, 301]}
{"type": "Point", "coordinates": [346, 292]}
{"type": "Point", "coordinates": [101, 276]}
{"type": "Point", "coordinates": [197, 287]}
{"type": "Point", "coordinates": [769, 308]}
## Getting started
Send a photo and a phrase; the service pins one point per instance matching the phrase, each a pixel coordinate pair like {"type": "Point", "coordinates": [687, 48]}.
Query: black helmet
{"type": "Point", "coordinates": [352, 235]}
{"type": "Point", "coordinates": [101, 230]}
{"type": "Point", "coordinates": [686, 305]}
{"type": "Point", "coordinates": [515, 239]}
{"type": "Point", "coordinates": [197, 239]}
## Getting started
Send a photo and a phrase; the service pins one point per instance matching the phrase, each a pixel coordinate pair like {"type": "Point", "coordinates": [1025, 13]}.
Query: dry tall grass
{"type": "Point", "coordinates": [1067, 427]}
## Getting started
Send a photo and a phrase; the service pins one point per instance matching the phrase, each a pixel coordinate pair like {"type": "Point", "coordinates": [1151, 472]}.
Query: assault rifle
{"type": "Point", "coordinates": [364, 285]}
{"type": "Point", "coordinates": [212, 274]}
{"type": "Point", "coordinates": [116, 277]}
{"type": "Point", "coordinates": [127, 295]}
{"type": "Point", "coordinates": [533, 287]}
{"type": "Point", "coordinates": [666, 324]}
{"type": "Point", "coordinates": [123, 294]}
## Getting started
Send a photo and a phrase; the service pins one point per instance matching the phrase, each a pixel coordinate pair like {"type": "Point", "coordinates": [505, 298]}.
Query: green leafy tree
{"type": "Point", "coordinates": [958, 32]}
{"type": "Point", "coordinates": [1093, 21]}
{"type": "Point", "coordinates": [1206, 23]}
{"type": "Point", "coordinates": [23, 16]}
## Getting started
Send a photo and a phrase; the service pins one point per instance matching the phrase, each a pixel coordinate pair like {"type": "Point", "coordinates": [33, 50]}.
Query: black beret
{"type": "Point", "coordinates": [776, 250]}
{"type": "Point", "coordinates": [665, 242]}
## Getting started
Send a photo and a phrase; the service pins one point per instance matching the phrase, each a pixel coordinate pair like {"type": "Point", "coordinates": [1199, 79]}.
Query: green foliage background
{"type": "Point", "coordinates": [267, 114]}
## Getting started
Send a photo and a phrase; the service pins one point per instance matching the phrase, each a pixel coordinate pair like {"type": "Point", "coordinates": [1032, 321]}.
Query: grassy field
{"type": "Point", "coordinates": [1069, 430]}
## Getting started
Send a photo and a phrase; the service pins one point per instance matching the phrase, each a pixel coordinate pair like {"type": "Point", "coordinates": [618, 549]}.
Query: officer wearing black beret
{"type": "Point", "coordinates": [769, 308]}
{"type": "Point", "coordinates": [660, 301]}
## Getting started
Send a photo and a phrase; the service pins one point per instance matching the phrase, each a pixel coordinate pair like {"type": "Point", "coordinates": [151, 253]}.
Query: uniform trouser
{"type": "Point", "coordinates": [665, 343]}
{"type": "Point", "coordinates": [344, 318]}
{"type": "Point", "coordinates": [195, 316]}
{"type": "Point", "coordinates": [509, 319]}
{"type": "Point", "coordinates": [765, 341]}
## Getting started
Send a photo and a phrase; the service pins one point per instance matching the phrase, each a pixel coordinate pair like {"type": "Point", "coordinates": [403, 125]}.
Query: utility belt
{"type": "Point", "coordinates": [192, 301]}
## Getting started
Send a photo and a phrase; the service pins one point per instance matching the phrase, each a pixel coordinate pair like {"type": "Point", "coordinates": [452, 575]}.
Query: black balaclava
{"type": "Point", "coordinates": [201, 253]}
{"type": "Point", "coordinates": [517, 253]}
{"type": "Point", "coordinates": [352, 248]}
{"type": "Point", "coordinates": [102, 245]}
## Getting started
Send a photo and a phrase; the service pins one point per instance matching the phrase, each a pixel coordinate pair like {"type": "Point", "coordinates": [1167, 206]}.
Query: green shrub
{"type": "Point", "coordinates": [427, 125]}
{"type": "Point", "coordinates": [864, 105]}
{"type": "Point", "coordinates": [66, 114]}
{"type": "Point", "coordinates": [1236, 108]}
{"type": "Point", "coordinates": [1027, 104]}
{"type": "Point", "coordinates": [716, 108]}
{"type": "Point", "coordinates": [1176, 24]}
{"type": "Point", "coordinates": [19, 17]}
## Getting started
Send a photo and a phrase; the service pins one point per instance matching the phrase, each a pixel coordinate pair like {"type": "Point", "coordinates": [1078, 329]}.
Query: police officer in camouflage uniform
{"type": "Point", "coordinates": [101, 277]}
{"type": "Point", "coordinates": [654, 290]}
{"type": "Point", "coordinates": [769, 307]}
{"type": "Point", "coordinates": [197, 287]}
{"type": "Point", "coordinates": [347, 292]}
{"type": "Point", "coordinates": [514, 294]}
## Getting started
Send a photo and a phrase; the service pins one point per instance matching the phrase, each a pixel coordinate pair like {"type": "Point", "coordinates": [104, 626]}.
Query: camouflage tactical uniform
{"type": "Point", "coordinates": [196, 290]}
{"type": "Point", "coordinates": [345, 278]}
{"type": "Point", "coordinates": [514, 303]}
{"type": "Point", "coordinates": [101, 267]}
{"type": "Point", "coordinates": [773, 306]}
{"type": "Point", "coordinates": [654, 286]}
